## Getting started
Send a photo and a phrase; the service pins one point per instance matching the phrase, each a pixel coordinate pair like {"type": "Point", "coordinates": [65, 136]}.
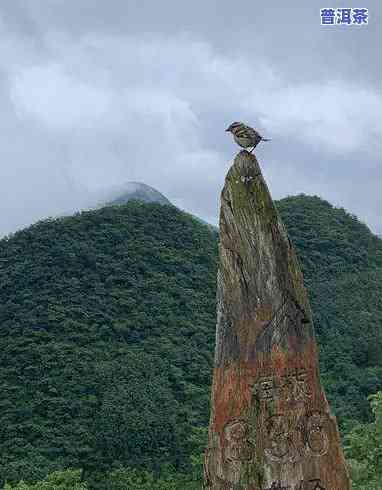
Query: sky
{"type": "Point", "coordinates": [97, 93]}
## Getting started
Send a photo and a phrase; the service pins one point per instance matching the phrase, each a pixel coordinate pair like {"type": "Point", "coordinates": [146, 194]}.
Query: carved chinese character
{"type": "Point", "coordinates": [294, 386]}
{"type": "Point", "coordinates": [291, 386]}
{"type": "Point", "coordinates": [266, 388]}
{"type": "Point", "coordinates": [301, 390]}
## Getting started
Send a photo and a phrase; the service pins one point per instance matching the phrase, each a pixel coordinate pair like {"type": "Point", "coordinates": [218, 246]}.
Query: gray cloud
{"type": "Point", "coordinates": [92, 96]}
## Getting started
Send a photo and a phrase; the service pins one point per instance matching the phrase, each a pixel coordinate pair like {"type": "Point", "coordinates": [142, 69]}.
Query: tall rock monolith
{"type": "Point", "coordinates": [271, 427]}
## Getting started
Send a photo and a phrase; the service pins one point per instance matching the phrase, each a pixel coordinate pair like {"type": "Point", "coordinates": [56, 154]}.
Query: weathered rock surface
{"type": "Point", "coordinates": [271, 426]}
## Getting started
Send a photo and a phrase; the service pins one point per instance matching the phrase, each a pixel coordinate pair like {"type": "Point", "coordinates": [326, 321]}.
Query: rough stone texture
{"type": "Point", "coordinates": [270, 427]}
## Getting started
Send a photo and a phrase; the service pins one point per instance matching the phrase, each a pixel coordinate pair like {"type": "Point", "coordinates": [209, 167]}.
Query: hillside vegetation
{"type": "Point", "coordinates": [342, 265]}
{"type": "Point", "coordinates": [107, 328]}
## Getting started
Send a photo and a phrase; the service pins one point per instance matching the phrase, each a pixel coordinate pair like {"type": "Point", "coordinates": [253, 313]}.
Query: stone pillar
{"type": "Point", "coordinates": [270, 426]}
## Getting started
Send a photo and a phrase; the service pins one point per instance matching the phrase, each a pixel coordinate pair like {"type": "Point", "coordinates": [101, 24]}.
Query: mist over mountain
{"type": "Point", "coordinates": [134, 190]}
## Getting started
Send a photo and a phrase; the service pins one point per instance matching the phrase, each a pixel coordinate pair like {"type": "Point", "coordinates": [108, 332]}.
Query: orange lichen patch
{"type": "Point", "coordinates": [279, 359]}
{"type": "Point", "coordinates": [232, 390]}
{"type": "Point", "coordinates": [231, 394]}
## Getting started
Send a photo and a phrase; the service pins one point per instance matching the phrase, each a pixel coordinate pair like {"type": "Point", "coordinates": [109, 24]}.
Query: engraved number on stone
{"type": "Point", "coordinates": [284, 436]}
{"type": "Point", "coordinates": [317, 439]}
{"type": "Point", "coordinates": [278, 437]}
{"type": "Point", "coordinates": [238, 447]}
{"type": "Point", "coordinates": [288, 439]}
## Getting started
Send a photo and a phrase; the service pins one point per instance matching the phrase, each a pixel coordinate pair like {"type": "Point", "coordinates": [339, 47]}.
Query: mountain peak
{"type": "Point", "coordinates": [134, 191]}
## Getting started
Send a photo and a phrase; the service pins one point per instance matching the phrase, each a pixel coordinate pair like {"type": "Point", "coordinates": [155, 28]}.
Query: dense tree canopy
{"type": "Point", "coordinates": [342, 264]}
{"type": "Point", "coordinates": [107, 327]}
{"type": "Point", "coordinates": [364, 449]}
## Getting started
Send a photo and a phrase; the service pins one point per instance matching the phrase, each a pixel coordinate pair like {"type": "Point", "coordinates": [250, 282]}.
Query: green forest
{"type": "Point", "coordinates": [107, 330]}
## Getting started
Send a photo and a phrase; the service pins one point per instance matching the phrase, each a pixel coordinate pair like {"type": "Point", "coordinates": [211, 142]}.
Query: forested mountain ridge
{"type": "Point", "coordinates": [107, 328]}
{"type": "Point", "coordinates": [342, 265]}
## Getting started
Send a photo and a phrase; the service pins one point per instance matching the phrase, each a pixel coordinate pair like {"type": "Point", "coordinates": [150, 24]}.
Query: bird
{"type": "Point", "coordinates": [245, 136]}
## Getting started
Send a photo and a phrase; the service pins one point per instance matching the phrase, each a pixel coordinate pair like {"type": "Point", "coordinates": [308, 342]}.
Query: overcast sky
{"type": "Point", "coordinates": [97, 93]}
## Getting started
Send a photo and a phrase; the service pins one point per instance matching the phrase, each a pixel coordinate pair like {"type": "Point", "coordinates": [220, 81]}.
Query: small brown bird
{"type": "Point", "coordinates": [245, 136]}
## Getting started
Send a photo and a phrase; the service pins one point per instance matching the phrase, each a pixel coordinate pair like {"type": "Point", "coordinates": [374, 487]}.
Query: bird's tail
{"type": "Point", "coordinates": [265, 139]}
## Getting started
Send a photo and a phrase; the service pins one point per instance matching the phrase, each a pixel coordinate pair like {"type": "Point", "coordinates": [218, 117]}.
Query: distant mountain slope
{"type": "Point", "coordinates": [107, 328]}
{"type": "Point", "coordinates": [329, 240]}
{"type": "Point", "coordinates": [342, 265]}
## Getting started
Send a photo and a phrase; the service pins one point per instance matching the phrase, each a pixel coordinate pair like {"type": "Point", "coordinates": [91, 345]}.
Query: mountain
{"type": "Point", "coordinates": [134, 191]}
{"type": "Point", "coordinates": [107, 330]}
{"type": "Point", "coordinates": [140, 192]}
{"type": "Point", "coordinates": [342, 266]}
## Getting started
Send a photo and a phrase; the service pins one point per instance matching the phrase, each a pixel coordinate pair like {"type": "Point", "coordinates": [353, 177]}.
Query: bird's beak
{"type": "Point", "coordinates": [227, 129]}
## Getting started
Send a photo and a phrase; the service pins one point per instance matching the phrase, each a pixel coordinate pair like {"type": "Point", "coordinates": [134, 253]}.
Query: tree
{"type": "Point", "coordinates": [58, 480]}
{"type": "Point", "coordinates": [364, 449]}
